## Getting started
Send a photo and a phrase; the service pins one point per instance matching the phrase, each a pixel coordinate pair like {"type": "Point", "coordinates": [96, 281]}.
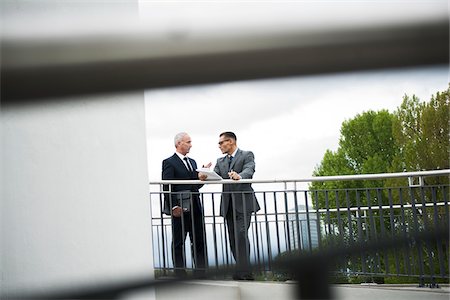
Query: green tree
{"type": "Point", "coordinates": [367, 142]}
{"type": "Point", "coordinates": [415, 137]}
{"type": "Point", "coordinates": [421, 132]}
{"type": "Point", "coordinates": [366, 146]}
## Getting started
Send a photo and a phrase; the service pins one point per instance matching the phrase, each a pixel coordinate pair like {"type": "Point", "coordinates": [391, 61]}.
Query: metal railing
{"type": "Point", "coordinates": [298, 221]}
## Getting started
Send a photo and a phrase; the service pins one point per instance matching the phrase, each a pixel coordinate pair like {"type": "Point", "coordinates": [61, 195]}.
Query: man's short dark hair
{"type": "Point", "coordinates": [229, 135]}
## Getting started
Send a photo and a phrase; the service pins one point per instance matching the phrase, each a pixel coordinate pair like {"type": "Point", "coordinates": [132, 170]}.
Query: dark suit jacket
{"type": "Point", "coordinates": [173, 168]}
{"type": "Point", "coordinates": [244, 196]}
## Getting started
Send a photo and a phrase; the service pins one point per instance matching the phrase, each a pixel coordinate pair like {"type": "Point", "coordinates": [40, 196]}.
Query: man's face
{"type": "Point", "coordinates": [184, 145]}
{"type": "Point", "coordinates": [226, 144]}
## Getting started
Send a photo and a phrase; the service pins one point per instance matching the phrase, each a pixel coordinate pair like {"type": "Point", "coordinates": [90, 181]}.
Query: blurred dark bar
{"type": "Point", "coordinates": [287, 54]}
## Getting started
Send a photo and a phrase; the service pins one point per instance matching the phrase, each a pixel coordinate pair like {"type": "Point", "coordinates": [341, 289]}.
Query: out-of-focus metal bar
{"type": "Point", "coordinates": [34, 68]}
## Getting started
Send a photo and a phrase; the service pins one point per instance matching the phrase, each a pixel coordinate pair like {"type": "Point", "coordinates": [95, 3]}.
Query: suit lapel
{"type": "Point", "coordinates": [181, 165]}
{"type": "Point", "coordinates": [235, 158]}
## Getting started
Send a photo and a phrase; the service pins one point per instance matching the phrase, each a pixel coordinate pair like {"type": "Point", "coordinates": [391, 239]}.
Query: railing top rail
{"type": "Point", "coordinates": [313, 179]}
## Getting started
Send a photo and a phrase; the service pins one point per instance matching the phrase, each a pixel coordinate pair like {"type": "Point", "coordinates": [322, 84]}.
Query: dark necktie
{"type": "Point", "coordinates": [230, 160]}
{"type": "Point", "coordinates": [188, 164]}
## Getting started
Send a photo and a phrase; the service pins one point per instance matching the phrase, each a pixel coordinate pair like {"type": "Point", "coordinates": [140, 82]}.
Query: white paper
{"type": "Point", "coordinates": [211, 174]}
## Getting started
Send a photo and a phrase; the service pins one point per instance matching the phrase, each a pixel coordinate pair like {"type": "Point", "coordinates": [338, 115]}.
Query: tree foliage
{"type": "Point", "coordinates": [367, 141]}
{"type": "Point", "coordinates": [415, 137]}
{"type": "Point", "coordinates": [366, 146]}
{"type": "Point", "coordinates": [421, 132]}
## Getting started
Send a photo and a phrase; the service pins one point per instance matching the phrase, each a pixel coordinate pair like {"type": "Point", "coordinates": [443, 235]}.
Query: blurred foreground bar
{"type": "Point", "coordinates": [52, 66]}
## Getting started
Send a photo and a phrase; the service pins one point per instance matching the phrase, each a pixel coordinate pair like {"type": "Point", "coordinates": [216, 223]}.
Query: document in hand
{"type": "Point", "coordinates": [211, 174]}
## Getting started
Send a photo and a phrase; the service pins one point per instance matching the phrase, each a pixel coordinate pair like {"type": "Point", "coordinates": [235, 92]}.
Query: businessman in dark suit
{"type": "Point", "coordinates": [183, 204]}
{"type": "Point", "coordinates": [238, 200]}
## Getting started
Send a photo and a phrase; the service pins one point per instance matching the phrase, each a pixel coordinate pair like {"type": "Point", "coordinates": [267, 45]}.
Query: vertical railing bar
{"type": "Point", "coordinates": [183, 236]}
{"type": "Point", "coordinates": [297, 222]}
{"type": "Point", "coordinates": [276, 222]}
{"type": "Point", "coordinates": [216, 254]}
{"type": "Point", "coordinates": [256, 233]}
{"type": "Point", "coordinates": [161, 203]}
{"type": "Point", "coordinates": [286, 234]}
{"type": "Point", "coordinates": [340, 226]}
{"type": "Point", "coordinates": [327, 207]}
{"type": "Point", "coordinates": [408, 257]}
{"type": "Point", "coordinates": [419, 243]}
{"type": "Point", "coordinates": [446, 221]}
{"type": "Point", "coordinates": [158, 245]}
{"type": "Point", "coordinates": [426, 226]}
{"type": "Point", "coordinates": [359, 226]}
{"type": "Point", "coordinates": [319, 231]}
{"type": "Point", "coordinates": [383, 230]}
{"type": "Point", "coordinates": [246, 246]}
{"type": "Point", "coordinates": [166, 246]}
{"type": "Point", "coordinates": [225, 242]}
{"type": "Point", "coordinates": [192, 236]}
{"type": "Point", "coordinates": [203, 224]}
{"type": "Point", "coordinates": [308, 225]}
{"type": "Point", "coordinates": [338, 215]}
{"type": "Point", "coordinates": [263, 259]}
{"type": "Point", "coordinates": [256, 238]}
{"type": "Point", "coordinates": [436, 225]}
{"type": "Point", "coordinates": [350, 224]}
{"type": "Point", "coordinates": [269, 244]}
{"type": "Point", "coordinates": [286, 212]}
{"type": "Point", "coordinates": [236, 241]}
{"type": "Point", "coordinates": [373, 230]}
{"type": "Point", "coordinates": [393, 229]}
{"type": "Point", "coordinates": [447, 210]}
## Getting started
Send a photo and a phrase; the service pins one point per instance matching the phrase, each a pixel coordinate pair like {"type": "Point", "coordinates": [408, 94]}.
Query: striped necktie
{"type": "Point", "coordinates": [188, 164]}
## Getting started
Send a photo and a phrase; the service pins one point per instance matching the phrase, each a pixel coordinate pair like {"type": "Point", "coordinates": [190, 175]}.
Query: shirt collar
{"type": "Point", "coordinates": [181, 156]}
{"type": "Point", "coordinates": [234, 153]}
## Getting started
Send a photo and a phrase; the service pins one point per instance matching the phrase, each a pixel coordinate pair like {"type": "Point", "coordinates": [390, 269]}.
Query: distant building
{"type": "Point", "coordinates": [301, 240]}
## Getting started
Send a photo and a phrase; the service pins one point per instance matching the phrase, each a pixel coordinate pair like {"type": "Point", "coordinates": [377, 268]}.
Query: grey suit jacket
{"type": "Point", "coordinates": [244, 197]}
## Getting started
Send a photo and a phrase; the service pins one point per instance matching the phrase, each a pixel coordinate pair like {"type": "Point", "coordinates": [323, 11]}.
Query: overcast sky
{"type": "Point", "coordinates": [287, 123]}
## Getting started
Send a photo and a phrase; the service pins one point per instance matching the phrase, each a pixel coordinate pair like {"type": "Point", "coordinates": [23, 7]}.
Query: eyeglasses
{"type": "Point", "coordinates": [221, 142]}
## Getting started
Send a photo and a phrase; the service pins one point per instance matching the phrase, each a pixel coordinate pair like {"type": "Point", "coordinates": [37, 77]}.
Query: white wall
{"type": "Point", "coordinates": [74, 183]}
{"type": "Point", "coordinates": [75, 205]}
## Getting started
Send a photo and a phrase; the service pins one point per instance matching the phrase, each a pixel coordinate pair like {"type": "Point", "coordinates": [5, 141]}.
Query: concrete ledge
{"type": "Point", "coordinates": [198, 290]}
{"type": "Point", "coordinates": [389, 292]}
{"type": "Point", "coordinates": [250, 290]}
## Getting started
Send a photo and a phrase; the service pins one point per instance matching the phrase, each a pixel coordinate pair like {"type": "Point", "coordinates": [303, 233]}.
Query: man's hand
{"type": "Point", "coordinates": [202, 176]}
{"type": "Point", "coordinates": [177, 211]}
{"type": "Point", "coordinates": [233, 175]}
{"type": "Point", "coordinates": [207, 166]}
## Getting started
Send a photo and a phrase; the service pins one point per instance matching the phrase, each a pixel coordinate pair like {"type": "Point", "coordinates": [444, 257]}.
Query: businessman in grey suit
{"type": "Point", "coordinates": [238, 200]}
